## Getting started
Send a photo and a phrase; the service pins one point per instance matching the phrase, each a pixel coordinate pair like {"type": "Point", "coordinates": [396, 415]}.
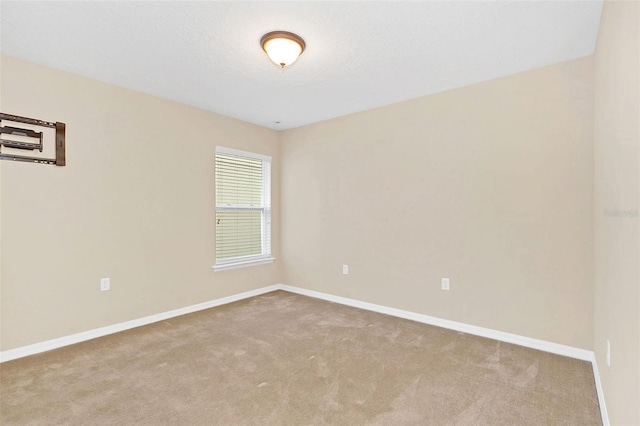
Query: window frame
{"type": "Point", "coordinates": [265, 207]}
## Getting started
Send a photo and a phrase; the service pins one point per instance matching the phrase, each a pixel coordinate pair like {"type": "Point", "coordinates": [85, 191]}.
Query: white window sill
{"type": "Point", "coordinates": [243, 264]}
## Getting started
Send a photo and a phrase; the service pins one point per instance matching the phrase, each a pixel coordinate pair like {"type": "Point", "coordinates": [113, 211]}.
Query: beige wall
{"type": "Point", "coordinates": [134, 203]}
{"type": "Point", "coordinates": [617, 187]}
{"type": "Point", "coordinates": [489, 185]}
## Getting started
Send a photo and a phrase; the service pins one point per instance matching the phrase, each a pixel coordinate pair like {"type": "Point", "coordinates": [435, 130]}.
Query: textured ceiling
{"type": "Point", "coordinates": [359, 55]}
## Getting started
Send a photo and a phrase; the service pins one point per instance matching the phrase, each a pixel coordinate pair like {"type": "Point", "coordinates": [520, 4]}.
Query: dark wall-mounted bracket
{"type": "Point", "coordinates": [28, 134]}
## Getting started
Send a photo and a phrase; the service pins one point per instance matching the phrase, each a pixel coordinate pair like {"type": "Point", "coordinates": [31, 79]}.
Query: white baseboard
{"type": "Point", "coordinates": [603, 406]}
{"type": "Point", "coordinates": [542, 345]}
{"type": "Point", "coordinates": [528, 342]}
{"type": "Point", "coordinates": [115, 328]}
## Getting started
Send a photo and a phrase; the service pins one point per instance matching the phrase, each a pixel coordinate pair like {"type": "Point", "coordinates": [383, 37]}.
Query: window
{"type": "Point", "coordinates": [243, 208]}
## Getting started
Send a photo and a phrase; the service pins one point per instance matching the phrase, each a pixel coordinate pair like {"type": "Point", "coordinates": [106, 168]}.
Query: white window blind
{"type": "Point", "coordinates": [243, 206]}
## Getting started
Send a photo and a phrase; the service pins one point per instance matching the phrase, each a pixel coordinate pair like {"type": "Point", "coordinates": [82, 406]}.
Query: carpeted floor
{"type": "Point", "coordinates": [285, 359]}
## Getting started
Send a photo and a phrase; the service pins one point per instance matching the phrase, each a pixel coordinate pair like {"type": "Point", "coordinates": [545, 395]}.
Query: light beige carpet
{"type": "Point", "coordinates": [285, 359]}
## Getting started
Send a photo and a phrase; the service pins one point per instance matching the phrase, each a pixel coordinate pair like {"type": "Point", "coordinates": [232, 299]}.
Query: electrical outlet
{"type": "Point", "coordinates": [445, 283]}
{"type": "Point", "coordinates": [608, 354]}
{"type": "Point", "coordinates": [105, 284]}
{"type": "Point", "coordinates": [345, 269]}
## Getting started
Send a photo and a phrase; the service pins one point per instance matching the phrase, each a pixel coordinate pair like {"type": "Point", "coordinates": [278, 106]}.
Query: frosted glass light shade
{"type": "Point", "coordinates": [282, 47]}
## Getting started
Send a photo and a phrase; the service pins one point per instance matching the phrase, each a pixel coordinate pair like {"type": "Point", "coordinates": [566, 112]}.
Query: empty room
{"type": "Point", "coordinates": [320, 213]}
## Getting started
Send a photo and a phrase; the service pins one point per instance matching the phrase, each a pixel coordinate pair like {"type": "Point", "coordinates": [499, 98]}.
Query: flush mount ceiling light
{"type": "Point", "coordinates": [282, 47]}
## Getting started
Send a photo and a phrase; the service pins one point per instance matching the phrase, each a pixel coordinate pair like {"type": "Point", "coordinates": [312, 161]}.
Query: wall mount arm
{"type": "Point", "coordinates": [60, 128]}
